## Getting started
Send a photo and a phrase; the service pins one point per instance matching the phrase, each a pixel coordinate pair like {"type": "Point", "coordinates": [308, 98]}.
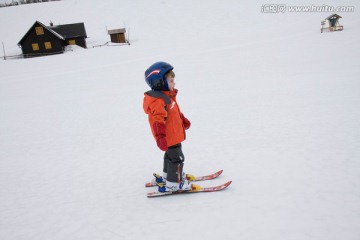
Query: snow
{"type": "Point", "coordinates": [272, 101]}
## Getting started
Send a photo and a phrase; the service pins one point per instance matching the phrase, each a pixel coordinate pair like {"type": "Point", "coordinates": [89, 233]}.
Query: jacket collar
{"type": "Point", "coordinates": [171, 93]}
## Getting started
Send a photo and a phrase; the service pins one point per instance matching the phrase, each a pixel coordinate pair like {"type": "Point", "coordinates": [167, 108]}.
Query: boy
{"type": "Point", "coordinates": [167, 124]}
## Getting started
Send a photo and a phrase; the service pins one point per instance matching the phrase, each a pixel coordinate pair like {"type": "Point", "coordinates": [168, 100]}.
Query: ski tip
{"type": "Point", "coordinates": [225, 185]}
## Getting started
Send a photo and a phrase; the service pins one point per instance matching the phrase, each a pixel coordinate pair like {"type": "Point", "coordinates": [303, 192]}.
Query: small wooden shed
{"type": "Point", "coordinates": [333, 23]}
{"type": "Point", "coordinates": [117, 35]}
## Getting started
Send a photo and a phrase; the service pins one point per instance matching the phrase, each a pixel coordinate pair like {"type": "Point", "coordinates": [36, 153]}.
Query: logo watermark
{"type": "Point", "coordinates": [283, 8]}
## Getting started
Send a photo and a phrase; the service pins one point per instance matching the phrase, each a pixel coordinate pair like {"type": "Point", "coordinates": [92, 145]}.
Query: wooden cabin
{"type": "Point", "coordinates": [74, 34]}
{"type": "Point", "coordinates": [117, 35]}
{"type": "Point", "coordinates": [43, 40]}
{"type": "Point", "coordinates": [333, 23]}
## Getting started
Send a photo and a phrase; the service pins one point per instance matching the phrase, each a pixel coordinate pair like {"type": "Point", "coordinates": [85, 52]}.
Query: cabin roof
{"type": "Point", "coordinates": [333, 16]}
{"type": "Point", "coordinates": [70, 30]}
{"type": "Point", "coordinates": [47, 28]}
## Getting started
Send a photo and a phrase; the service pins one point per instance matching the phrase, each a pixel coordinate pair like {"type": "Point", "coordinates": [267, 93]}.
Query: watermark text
{"type": "Point", "coordinates": [283, 8]}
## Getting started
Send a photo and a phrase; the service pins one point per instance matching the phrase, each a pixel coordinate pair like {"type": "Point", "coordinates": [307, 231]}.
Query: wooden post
{"type": "Point", "coordinates": [322, 26]}
{"type": "Point", "coordinates": [128, 37]}
{"type": "Point", "coordinates": [330, 27]}
{"type": "Point", "coordinates": [4, 50]}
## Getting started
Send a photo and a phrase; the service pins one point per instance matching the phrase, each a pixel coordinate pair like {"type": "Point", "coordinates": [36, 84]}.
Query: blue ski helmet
{"type": "Point", "coordinates": [155, 76]}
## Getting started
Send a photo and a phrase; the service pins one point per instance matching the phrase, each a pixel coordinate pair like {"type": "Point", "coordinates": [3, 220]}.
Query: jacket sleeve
{"type": "Point", "coordinates": [186, 121]}
{"type": "Point", "coordinates": [157, 110]}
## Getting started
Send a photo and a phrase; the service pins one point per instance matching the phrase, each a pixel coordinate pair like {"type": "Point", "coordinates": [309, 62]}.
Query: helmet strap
{"type": "Point", "coordinates": [166, 87]}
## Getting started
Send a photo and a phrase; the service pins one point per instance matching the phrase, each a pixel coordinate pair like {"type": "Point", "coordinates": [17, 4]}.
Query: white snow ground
{"type": "Point", "coordinates": [272, 101]}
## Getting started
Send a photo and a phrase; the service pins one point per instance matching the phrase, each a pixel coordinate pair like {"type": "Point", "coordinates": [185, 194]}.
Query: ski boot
{"type": "Point", "coordinates": [186, 185]}
{"type": "Point", "coordinates": [159, 179]}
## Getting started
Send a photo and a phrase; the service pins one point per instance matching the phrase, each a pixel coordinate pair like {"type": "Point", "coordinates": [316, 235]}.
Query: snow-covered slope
{"type": "Point", "coordinates": [272, 101]}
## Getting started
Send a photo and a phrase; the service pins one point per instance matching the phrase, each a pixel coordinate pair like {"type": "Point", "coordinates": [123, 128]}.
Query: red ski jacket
{"type": "Point", "coordinates": [168, 114]}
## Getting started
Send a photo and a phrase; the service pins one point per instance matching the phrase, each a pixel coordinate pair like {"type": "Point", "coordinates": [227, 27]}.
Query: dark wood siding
{"type": "Point", "coordinates": [80, 41]}
{"type": "Point", "coordinates": [57, 45]}
{"type": "Point", "coordinates": [118, 38]}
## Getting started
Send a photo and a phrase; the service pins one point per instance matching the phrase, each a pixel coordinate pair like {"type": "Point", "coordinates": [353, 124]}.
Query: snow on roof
{"type": "Point", "coordinates": [47, 28]}
{"type": "Point", "coordinates": [114, 31]}
{"type": "Point", "coordinates": [70, 30]}
{"type": "Point", "coordinates": [333, 16]}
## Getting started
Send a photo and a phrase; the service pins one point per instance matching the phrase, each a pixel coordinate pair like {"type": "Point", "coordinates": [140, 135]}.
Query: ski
{"type": "Point", "coordinates": [205, 189]}
{"type": "Point", "coordinates": [200, 178]}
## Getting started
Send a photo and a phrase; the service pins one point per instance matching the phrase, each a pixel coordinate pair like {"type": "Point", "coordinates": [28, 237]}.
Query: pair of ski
{"type": "Point", "coordinates": [200, 178]}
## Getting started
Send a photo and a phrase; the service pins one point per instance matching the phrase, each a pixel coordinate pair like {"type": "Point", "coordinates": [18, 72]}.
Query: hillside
{"type": "Point", "coordinates": [272, 101]}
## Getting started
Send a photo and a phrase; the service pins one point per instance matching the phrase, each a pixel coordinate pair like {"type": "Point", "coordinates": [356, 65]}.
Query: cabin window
{"type": "Point", "coordinates": [35, 47]}
{"type": "Point", "coordinates": [72, 42]}
{"type": "Point", "coordinates": [39, 30]}
{"type": "Point", "coordinates": [47, 45]}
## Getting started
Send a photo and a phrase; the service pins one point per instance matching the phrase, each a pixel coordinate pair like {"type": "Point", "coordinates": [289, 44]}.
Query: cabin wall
{"type": "Point", "coordinates": [118, 38]}
{"type": "Point", "coordinates": [47, 42]}
{"type": "Point", "coordinates": [80, 41]}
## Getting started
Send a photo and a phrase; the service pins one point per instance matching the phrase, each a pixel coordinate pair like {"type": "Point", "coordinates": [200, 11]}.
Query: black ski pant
{"type": "Point", "coordinates": [173, 163]}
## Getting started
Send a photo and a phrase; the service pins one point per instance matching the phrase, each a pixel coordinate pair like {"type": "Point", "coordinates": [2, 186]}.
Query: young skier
{"type": "Point", "coordinates": [167, 124]}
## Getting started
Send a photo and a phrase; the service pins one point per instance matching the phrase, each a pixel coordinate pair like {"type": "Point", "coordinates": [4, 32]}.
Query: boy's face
{"type": "Point", "coordinates": [171, 82]}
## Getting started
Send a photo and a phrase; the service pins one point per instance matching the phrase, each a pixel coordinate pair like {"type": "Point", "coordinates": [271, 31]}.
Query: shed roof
{"type": "Point", "coordinates": [333, 16]}
{"type": "Point", "coordinates": [70, 30]}
{"type": "Point", "coordinates": [115, 31]}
